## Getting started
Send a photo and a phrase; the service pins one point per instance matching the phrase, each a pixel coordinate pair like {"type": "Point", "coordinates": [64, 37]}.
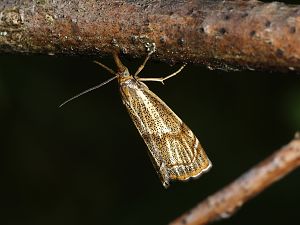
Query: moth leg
{"type": "Point", "coordinates": [143, 65]}
{"type": "Point", "coordinates": [164, 176]}
{"type": "Point", "coordinates": [105, 67]}
{"type": "Point", "coordinates": [162, 79]}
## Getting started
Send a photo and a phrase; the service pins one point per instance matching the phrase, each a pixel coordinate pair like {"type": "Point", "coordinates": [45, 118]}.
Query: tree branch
{"type": "Point", "coordinates": [226, 201]}
{"type": "Point", "coordinates": [216, 33]}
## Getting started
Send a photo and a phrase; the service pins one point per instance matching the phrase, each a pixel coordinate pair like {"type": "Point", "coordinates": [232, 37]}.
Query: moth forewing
{"type": "Point", "coordinates": [174, 150]}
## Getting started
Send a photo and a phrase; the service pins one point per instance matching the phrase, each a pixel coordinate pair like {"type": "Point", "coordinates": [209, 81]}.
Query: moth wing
{"type": "Point", "coordinates": [174, 149]}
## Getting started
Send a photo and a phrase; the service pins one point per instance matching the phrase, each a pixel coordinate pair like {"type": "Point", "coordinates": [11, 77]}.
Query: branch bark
{"type": "Point", "coordinates": [219, 34]}
{"type": "Point", "coordinates": [225, 202]}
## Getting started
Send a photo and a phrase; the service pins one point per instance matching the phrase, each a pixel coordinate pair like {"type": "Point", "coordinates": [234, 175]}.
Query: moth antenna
{"type": "Point", "coordinates": [88, 90]}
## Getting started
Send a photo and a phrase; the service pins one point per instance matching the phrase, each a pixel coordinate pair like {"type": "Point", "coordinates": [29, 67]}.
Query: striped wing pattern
{"type": "Point", "coordinates": [174, 150]}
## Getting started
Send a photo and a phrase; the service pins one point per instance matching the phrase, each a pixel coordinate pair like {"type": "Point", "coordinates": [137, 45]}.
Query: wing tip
{"type": "Point", "coordinates": [188, 176]}
{"type": "Point", "coordinates": [202, 171]}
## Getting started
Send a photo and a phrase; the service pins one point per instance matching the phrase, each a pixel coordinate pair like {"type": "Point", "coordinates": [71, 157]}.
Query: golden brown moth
{"type": "Point", "coordinates": [174, 150]}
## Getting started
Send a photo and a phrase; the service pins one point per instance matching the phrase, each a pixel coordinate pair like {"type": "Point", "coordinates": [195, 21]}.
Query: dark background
{"type": "Point", "coordinates": [86, 163]}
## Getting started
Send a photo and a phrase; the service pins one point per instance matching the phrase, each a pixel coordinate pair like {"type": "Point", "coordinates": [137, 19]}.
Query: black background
{"type": "Point", "coordinates": [86, 163]}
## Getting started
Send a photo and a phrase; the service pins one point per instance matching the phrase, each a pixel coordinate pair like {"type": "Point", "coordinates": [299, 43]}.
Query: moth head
{"type": "Point", "coordinates": [124, 72]}
{"type": "Point", "coordinates": [123, 75]}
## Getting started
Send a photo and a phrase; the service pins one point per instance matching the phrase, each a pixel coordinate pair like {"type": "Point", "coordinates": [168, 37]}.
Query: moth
{"type": "Point", "coordinates": [175, 151]}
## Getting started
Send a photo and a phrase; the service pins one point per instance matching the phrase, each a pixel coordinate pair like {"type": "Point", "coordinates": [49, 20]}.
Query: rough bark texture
{"type": "Point", "coordinates": [219, 34]}
{"type": "Point", "coordinates": [225, 202]}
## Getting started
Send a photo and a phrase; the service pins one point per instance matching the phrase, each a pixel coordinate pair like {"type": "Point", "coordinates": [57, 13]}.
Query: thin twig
{"type": "Point", "coordinates": [225, 202]}
{"type": "Point", "coordinates": [219, 34]}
